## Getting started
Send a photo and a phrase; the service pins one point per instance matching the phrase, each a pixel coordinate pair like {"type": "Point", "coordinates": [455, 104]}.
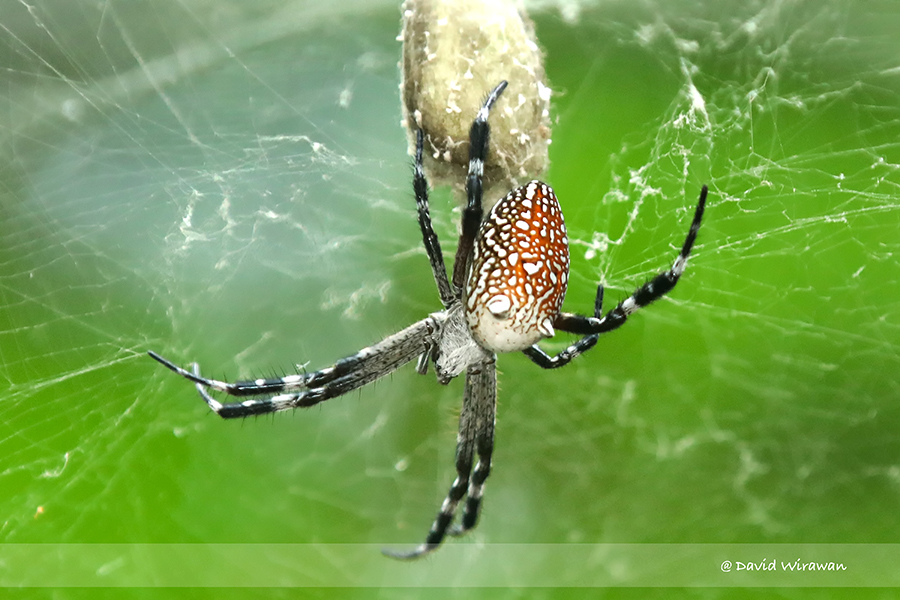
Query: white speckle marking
{"type": "Point", "coordinates": [546, 327]}
{"type": "Point", "coordinates": [499, 306]}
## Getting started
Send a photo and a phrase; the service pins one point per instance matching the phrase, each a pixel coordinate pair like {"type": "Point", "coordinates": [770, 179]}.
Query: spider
{"type": "Point", "coordinates": [504, 295]}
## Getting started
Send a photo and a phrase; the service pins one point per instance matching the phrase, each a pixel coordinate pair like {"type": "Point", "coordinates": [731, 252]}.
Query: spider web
{"type": "Point", "coordinates": [226, 182]}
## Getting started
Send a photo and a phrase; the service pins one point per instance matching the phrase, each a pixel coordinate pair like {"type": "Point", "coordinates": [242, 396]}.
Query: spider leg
{"type": "Point", "coordinates": [302, 390]}
{"type": "Point", "coordinates": [429, 237]}
{"type": "Point", "coordinates": [256, 387]}
{"type": "Point", "coordinates": [201, 389]}
{"type": "Point", "coordinates": [484, 445]}
{"type": "Point", "coordinates": [479, 135]}
{"type": "Point", "coordinates": [478, 406]}
{"type": "Point", "coordinates": [545, 361]}
{"type": "Point", "coordinates": [654, 289]}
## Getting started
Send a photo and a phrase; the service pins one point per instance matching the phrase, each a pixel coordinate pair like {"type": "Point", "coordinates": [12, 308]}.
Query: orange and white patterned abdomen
{"type": "Point", "coordinates": [519, 272]}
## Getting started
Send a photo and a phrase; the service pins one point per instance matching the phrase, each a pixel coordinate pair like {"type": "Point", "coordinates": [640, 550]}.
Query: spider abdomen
{"type": "Point", "coordinates": [519, 270]}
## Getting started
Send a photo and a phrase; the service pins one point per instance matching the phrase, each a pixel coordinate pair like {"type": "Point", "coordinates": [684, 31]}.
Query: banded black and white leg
{"type": "Point", "coordinates": [309, 389]}
{"type": "Point", "coordinates": [545, 361]}
{"type": "Point", "coordinates": [479, 138]}
{"type": "Point", "coordinates": [593, 327]}
{"type": "Point", "coordinates": [429, 237]}
{"type": "Point", "coordinates": [484, 447]}
{"type": "Point", "coordinates": [476, 435]}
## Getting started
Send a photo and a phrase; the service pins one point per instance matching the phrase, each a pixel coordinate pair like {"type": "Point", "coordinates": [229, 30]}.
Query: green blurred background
{"type": "Point", "coordinates": [227, 182]}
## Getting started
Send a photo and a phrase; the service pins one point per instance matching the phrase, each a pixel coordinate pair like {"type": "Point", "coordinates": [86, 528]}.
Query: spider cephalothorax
{"type": "Point", "coordinates": [508, 285]}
